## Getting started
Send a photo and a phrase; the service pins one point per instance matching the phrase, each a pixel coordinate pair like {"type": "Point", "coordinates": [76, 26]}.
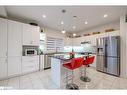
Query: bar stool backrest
{"type": "Point", "coordinates": [89, 60]}
{"type": "Point", "coordinates": [77, 62]}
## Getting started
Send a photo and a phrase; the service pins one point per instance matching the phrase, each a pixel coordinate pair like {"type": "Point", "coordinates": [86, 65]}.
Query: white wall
{"type": "Point", "coordinates": [3, 12]}
{"type": "Point", "coordinates": [123, 35]}
{"type": "Point", "coordinates": [54, 33]}
{"type": "Point", "coordinates": [115, 25]}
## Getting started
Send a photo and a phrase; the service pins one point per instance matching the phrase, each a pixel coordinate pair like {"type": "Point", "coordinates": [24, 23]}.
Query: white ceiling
{"type": "Point", "coordinates": [92, 14]}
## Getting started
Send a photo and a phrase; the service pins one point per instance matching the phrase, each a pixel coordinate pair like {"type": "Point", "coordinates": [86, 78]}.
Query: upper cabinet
{"type": "Point", "coordinates": [31, 35]}
{"type": "Point", "coordinates": [101, 35]}
{"type": "Point", "coordinates": [114, 33]}
{"type": "Point", "coordinates": [92, 38]}
{"type": "Point", "coordinates": [3, 37]}
{"type": "Point", "coordinates": [14, 38]}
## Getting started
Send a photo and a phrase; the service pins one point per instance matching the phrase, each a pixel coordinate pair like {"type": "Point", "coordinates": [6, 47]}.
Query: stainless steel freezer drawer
{"type": "Point", "coordinates": [113, 65]}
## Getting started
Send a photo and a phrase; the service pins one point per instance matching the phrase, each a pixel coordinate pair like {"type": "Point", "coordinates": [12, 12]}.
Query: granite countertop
{"type": "Point", "coordinates": [85, 53]}
{"type": "Point", "coordinates": [61, 57]}
{"type": "Point", "coordinates": [66, 57]}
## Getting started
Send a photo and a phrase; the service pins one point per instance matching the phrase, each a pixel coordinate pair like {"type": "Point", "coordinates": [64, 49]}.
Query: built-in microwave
{"type": "Point", "coordinates": [30, 52]}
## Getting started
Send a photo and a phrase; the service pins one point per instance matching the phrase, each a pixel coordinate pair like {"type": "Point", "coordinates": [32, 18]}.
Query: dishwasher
{"type": "Point", "coordinates": [45, 61]}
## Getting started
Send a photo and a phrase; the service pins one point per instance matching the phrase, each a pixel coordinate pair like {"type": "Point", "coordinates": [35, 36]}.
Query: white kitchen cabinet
{"type": "Point", "coordinates": [31, 35]}
{"type": "Point", "coordinates": [14, 47]}
{"type": "Point", "coordinates": [3, 67]}
{"type": "Point", "coordinates": [102, 35]}
{"type": "Point", "coordinates": [30, 64]}
{"type": "Point", "coordinates": [93, 39]}
{"type": "Point", "coordinates": [14, 38]}
{"type": "Point", "coordinates": [114, 33]}
{"type": "Point", "coordinates": [3, 37]}
{"type": "Point", "coordinates": [14, 66]}
{"type": "Point", "coordinates": [36, 35]}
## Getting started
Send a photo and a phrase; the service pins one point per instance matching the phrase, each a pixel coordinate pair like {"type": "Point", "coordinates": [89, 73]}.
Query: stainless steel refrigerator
{"type": "Point", "coordinates": [108, 55]}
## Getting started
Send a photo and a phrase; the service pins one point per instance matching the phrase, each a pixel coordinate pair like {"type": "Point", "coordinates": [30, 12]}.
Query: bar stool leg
{"type": "Point", "coordinates": [85, 78]}
{"type": "Point", "coordinates": [71, 85]}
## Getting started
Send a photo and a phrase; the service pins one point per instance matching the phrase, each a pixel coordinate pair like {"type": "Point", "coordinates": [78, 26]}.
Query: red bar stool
{"type": "Point", "coordinates": [86, 63]}
{"type": "Point", "coordinates": [74, 64]}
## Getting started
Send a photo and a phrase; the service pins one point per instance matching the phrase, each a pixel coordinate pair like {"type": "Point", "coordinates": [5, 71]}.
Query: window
{"type": "Point", "coordinates": [42, 42]}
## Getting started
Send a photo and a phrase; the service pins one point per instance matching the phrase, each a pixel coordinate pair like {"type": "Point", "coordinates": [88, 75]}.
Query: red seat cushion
{"type": "Point", "coordinates": [75, 63]}
{"type": "Point", "coordinates": [68, 65]}
{"type": "Point", "coordinates": [88, 60]}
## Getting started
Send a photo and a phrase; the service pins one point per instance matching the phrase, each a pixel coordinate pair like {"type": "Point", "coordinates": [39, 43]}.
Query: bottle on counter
{"type": "Point", "coordinates": [72, 54]}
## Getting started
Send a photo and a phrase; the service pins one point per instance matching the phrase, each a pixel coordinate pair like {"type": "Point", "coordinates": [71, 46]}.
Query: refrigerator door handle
{"type": "Point", "coordinates": [105, 65]}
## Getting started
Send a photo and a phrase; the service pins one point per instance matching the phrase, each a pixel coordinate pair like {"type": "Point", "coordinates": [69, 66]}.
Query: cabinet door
{"type": "Point", "coordinates": [27, 34]}
{"type": "Point", "coordinates": [102, 35]}
{"type": "Point", "coordinates": [3, 37]}
{"type": "Point", "coordinates": [31, 34]}
{"type": "Point", "coordinates": [14, 38]}
{"type": "Point", "coordinates": [14, 66]}
{"type": "Point", "coordinates": [35, 35]}
{"type": "Point", "coordinates": [114, 33]}
{"type": "Point", "coordinates": [3, 67]}
{"type": "Point", "coordinates": [93, 40]}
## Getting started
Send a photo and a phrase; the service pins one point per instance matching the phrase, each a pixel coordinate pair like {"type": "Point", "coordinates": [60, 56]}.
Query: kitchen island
{"type": "Point", "coordinates": [58, 72]}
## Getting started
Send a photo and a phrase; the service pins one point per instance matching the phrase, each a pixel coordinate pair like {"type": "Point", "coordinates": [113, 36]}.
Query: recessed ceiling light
{"type": "Point", "coordinates": [44, 16]}
{"type": "Point", "coordinates": [74, 34]}
{"type": "Point", "coordinates": [74, 27]}
{"type": "Point", "coordinates": [62, 22]}
{"type": "Point", "coordinates": [63, 31]}
{"type": "Point", "coordinates": [105, 15]}
{"type": "Point", "coordinates": [86, 22]}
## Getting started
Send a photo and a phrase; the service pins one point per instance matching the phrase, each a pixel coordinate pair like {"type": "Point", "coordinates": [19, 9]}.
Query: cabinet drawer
{"type": "Point", "coordinates": [27, 69]}
{"type": "Point", "coordinates": [30, 63]}
{"type": "Point", "coordinates": [30, 68]}
{"type": "Point", "coordinates": [30, 58]}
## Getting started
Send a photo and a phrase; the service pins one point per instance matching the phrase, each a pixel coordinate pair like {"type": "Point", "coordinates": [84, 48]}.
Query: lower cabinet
{"type": "Point", "coordinates": [3, 67]}
{"type": "Point", "coordinates": [14, 66]}
{"type": "Point", "coordinates": [30, 64]}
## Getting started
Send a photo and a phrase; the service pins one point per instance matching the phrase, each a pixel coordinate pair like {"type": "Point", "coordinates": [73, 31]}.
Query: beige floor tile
{"type": "Point", "coordinates": [42, 80]}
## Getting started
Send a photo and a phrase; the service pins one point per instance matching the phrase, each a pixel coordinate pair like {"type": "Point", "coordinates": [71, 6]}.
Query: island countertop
{"type": "Point", "coordinates": [66, 57]}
